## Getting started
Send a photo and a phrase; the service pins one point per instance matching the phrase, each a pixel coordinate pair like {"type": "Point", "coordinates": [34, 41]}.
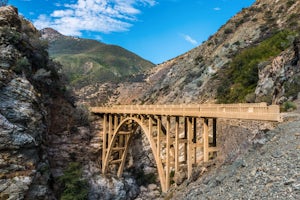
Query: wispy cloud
{"type": "Point", "coordinates": [190, 39]}
{"type": "Point", "coordinates": [217, 8]}
{"type": "Point", "coordinates": [94, 15]}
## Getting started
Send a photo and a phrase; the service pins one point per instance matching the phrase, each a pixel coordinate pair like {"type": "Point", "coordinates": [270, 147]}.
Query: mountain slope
{"type": "Point", "coordinates": [252, 58]}
{"type": "Point", "coordinates": [88, 61]}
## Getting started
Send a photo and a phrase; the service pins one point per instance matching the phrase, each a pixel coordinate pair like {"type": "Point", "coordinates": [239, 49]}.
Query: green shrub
{"type": "Point", "coordinates": [75, 188]}
{"type": "Point", "coordinates": [290, 3]}
{"type": "Point", "coordinates": [22, 64]}
{"type": "Point", "coordinates": [288, 106]}
{"type": "Point", "coordinates": [240, 78]}
{"type": "Point", "coordinates": [142, 178]}
{"type": "Point", "coordinates": [237, 43]}
{"type": "Point", "coordinates": [228, 31]}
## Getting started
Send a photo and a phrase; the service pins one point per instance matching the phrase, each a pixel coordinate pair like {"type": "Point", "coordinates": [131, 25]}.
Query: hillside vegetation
{"type": "Point", "coordinates": [88, 61]}
{"type": "Point", "coordinates": [241, 77]}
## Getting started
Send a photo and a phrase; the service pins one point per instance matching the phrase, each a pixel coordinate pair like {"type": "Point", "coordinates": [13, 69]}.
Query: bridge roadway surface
{"type": "Point", "coordinates": [180, 136]}
{"type": "Point", "coordinates": [257, 111]}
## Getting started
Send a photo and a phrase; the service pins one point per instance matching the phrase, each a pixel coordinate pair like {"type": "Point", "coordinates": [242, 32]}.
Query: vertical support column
{"type": "Point", "coordinates": [176, 144]}
{"type": "Point", "coordinates": [116, 122]}
{"type": "Point", "coordinates": [150, 127]}
{"type": "Point", "coordinates": [214, 132]}
{"type": "Point", "coordinates": [185, 137]}
{"type": "Point", "coordinates": [194, 139]}
{"type": "Point", "coordinates": [110, 128]}
{"type": "Point", "coordinates": [104, 142]}
{"type": "Point", "coordinates": [189, 146]}
{"type": "Point", "coordinates": [158, 136]}
{"type": "Point", "coordinates": [168, 153]}
{"type": "Point", "coordinates": [205, 140]}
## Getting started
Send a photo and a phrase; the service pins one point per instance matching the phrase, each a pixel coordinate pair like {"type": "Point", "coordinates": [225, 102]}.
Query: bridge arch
{"type": "Point", "coordinates": [135, 123]}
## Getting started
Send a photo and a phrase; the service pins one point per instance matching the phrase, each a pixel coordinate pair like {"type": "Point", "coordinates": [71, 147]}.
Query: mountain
{"type": "Point", "coordinates": [86, 61]}
{"type": "Point", "coordinates": [254, 57]}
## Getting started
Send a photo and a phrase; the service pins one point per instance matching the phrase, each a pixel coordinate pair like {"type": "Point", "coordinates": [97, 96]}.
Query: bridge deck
{"type": "Point", "coordinates": [257, 111]}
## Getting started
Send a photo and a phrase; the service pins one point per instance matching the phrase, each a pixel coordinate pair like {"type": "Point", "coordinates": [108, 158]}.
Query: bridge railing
{"type": "Point", "coordinates": [256, 111]}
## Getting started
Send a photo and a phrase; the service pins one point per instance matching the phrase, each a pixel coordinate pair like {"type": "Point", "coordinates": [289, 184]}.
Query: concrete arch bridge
{"type": "Point", "coordinates": [180, 136]}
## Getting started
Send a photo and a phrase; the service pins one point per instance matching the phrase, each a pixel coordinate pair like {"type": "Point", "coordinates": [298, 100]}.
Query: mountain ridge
{"type": "Point", "coordinates": [87, 61]}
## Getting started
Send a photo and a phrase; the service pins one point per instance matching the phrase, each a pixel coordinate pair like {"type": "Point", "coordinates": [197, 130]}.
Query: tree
{"type": "Point", "coordinates": [3, 2]}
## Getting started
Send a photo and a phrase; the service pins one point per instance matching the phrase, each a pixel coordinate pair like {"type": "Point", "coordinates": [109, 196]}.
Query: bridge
{"type": "Point", "coordinates": [180, 136]}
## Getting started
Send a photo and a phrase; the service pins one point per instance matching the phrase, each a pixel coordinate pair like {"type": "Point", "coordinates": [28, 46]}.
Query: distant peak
{"type": "Point", "coordinates": [50, 34]}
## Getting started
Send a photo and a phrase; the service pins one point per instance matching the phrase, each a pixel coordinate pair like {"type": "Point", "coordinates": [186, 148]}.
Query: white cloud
{"type": "Point", "coordinates": [94, 15]}
{"type": "Point", "coordinates": [217, 9]}
{"type": "Point", "coordinates": [190, 39]}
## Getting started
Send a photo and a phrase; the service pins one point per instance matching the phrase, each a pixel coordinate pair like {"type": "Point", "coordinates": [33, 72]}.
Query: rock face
{"type": "Point", "coordinates": [22, 117]}
{"type": "Point", "coordinates": [33, 103]}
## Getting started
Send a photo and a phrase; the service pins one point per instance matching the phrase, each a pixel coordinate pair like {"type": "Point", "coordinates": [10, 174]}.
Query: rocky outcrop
{"type": "Point", "coordinates": [22, 118]}
{"type": "Point", "coordinates": [9, 18]}
{"type": "Point", "coordinates": [280, 79]}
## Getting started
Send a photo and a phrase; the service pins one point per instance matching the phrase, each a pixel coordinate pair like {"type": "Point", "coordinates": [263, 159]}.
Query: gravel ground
{"type": "Point", "coordinates": [270, 170]}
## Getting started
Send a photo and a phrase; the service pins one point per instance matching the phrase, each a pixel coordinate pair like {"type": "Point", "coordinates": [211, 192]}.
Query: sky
{"type": "Point", "coordinates": [157, 30]}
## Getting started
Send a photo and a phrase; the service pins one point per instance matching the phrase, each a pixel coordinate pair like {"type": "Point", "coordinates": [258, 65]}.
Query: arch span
{"type": "Point", "coordinates": [188, 145]}
{"type": "Point", "coordinates": [130, 124]}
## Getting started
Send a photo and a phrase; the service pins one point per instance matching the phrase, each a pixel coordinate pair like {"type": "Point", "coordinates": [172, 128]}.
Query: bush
{"type": "Point", "coordinates": [240, 78]}
{"type": "Point", "coordinates": [228, 31]}
{"type": "Point", "coordinates": [288, 106]}
{"type": "Point", "coordinates": [21, 65]}
{"type": "Point", "coordinates": [290, 3]}
{"type": "Point", "coordinates": [75, 188]}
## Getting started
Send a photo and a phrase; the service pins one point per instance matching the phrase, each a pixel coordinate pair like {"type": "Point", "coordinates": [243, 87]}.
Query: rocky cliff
{"type": "Point", "coordinates": [33, 103]}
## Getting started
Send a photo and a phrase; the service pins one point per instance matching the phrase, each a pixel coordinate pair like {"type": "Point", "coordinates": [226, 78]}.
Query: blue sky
{"type": "Point", "coordinates": [157, 30]}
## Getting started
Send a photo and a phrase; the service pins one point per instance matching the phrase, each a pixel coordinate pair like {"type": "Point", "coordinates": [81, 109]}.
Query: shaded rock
{"type": "Point", "coordinates": [9, 17]}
